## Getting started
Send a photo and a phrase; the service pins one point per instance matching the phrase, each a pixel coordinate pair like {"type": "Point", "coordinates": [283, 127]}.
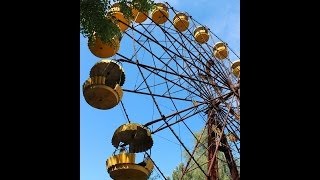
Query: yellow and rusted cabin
{"type": "Point", "coordinates": [139, 17]}
{"type": "Point", "coordinates": [135, 135]}
{"type": "Point", "coordinates": [104, 50]}
{"type": "Point", "coordinates": [122, 166]}
{"type": "Point", "coordinates": [103, 89]}
{"type": "Point", "coordinates": [220, 50]}
{"type": "Point", "coordinates": [235, 68]}
{"type": "Point", "coordinates": [201, 34]}
{"type": "Point", "coordinates": [123, 23]}
{"type": "Point", "coordinates": [181, 22]}
{"type": "Point", "coordinates": [160, 13]}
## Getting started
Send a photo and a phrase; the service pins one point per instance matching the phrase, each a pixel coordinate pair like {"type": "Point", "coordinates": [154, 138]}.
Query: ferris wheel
{"type": "Point", "coordinates": [182, 79]}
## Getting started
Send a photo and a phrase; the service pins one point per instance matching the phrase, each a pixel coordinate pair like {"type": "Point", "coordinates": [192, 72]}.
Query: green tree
{"type": "Point", "coordinates": [201, 156]}
{"type": "Point", "coordinates": [154, 176]}
{"type": "Point", "coordinates": [94, 13]}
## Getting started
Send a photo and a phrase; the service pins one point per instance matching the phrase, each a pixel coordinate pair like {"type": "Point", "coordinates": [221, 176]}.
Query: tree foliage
{"type": "Point", "coordinates": [95, 18]}
{"type": "Point", "coordinates": [201, 156]}
{"type": "Point", "coordinates": [154, 176]}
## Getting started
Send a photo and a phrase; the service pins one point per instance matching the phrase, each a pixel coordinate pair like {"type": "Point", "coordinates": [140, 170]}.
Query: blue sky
{"type": "Point", "coordinates": [98, 126]}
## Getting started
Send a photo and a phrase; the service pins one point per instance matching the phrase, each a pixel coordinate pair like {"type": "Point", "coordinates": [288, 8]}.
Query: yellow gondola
{"type": "Point", "coordinates": [104, 50]}
{"type": "Point", "coordinates": [139, 17]}
{"type": "Point", "coordinates": [220, 50]}
{"type": "Point", "coordinates": [181, 22]}
{"type": "Point", "coordinates": [160, 13]}
{"type": "Point", "coordinates": [123, 22]}
{"type": "Point", "coordinates": [103, 89]}
{"type": "Point", "coordinates": [201, 34]}
{"type": "Point", "coordinates": [135, 135]}
{"type": "Point", "coordinates": [235, 68]}
{"type": "Point", "coordinates": [123, 166]}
